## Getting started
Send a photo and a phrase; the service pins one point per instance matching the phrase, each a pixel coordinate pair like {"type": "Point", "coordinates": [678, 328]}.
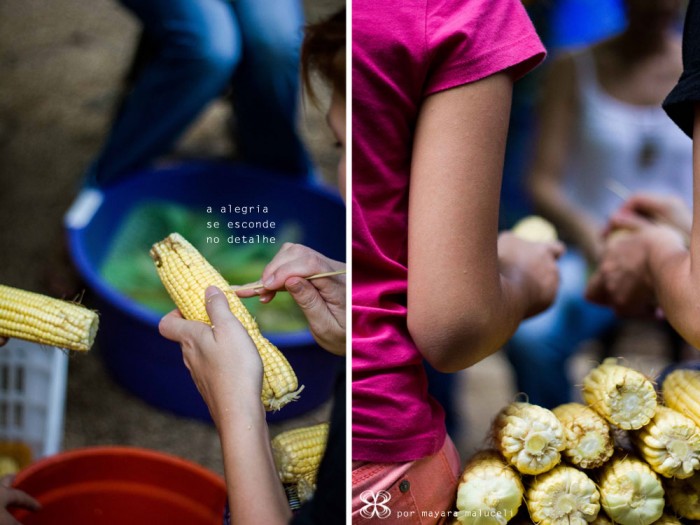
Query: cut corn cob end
{"type": "Point", "coordinates": [563, 495]}
{"type": "Point", "coordinates": [298, 452]}
{"type": "Point", "coordinates": [631, 493]}
{"type": "Point", "coordinates": [41, 319]}
{"type": "Point", "coordinates": [589, 443]}
{"type": "Point", "coordinates": [623, 396]}
{"type": "Point", "coordinates": [684, 496]}
{"type": "Point", "coordinates": [489, 491]}
{"type": "Point", "coordinates": [530, 437]}
{"type": "Point", "coordinates": [186, 275]}
{"type": "Point", "coordinates": [670, 444]}
{"type": "Point", "coordinates": [681, 391]}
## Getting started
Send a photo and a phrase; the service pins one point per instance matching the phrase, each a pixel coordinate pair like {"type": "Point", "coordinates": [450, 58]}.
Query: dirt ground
{"type": "Point", "coordinates": [61, 70]}
{"type": "Point", "coordinates": [61, 65]}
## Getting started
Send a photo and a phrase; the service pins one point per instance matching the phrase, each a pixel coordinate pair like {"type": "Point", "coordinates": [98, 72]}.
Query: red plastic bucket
{"type": "Point", "coordinates": [121, 485]}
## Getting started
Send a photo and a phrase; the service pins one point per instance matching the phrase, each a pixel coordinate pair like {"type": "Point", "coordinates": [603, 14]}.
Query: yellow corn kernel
{"type": "Point", "coordinates": [670, 443]}
{"type": "Point", "coordinates": [45, 320]}
{"type": "Point", "coordinates": [563, 495]}
{"type": "Point", "coordinates": [623, 396]}
{"type": "Point", "coordinates": [489, 492]}
{"type": "Point", "coordinates": [530, 437]}
{"type": "Point", "coordinates": [630, 492]}
{"type": "Point", "coordinates": [186, 274]}
{"type": "Point", "coordinates": [684, 496]}
{"type": "Point", "coordinates": [535, 229]}
{"type": "Point", "coordinates": [298, 452]}
{"type": "Point", "coordinates": [589, 442]}
{"type": "Point", "coordinates": [681, 391]}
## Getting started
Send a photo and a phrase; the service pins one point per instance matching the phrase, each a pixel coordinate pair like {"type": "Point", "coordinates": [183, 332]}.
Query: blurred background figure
{"type": "Point", "coordinates": [190, 52]}
{"type": "Point", "coordinates": [602, 133]}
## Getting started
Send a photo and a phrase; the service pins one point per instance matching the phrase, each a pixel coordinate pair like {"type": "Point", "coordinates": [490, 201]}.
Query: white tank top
{"type": "Point", "coordinates": [637, 146]}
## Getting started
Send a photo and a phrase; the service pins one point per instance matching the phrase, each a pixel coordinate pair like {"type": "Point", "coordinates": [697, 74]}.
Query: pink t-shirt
{"type": "Point", "coordinates": [404, 50]}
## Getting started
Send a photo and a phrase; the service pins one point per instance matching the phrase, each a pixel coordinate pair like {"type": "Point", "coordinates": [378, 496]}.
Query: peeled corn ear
{"type": "Point", "coordinates": [623, 396]}
{"type": "Point", "coordinates": [489, 491]}
{"type": "Point", "coordinates": [530, 437]}
{"type": "Point", "coordinates": [186, 274]}
{"type": "Point", "coordinates": [589, 442]}
{"type": "Point", "coordinates": [631, 493]}
{"type": "Point", "coordinates": [681, 391]}
{"type": "Point", "coordinates": [563, 495]}
{"type": "Point", "coordinates": [45, 320]}
{"type": "Point", "coordinates": [684, 496]}
{"type": "Point", "coordinates": [298, 452]}
{"type": "Point", "coordinates": [670, 444]}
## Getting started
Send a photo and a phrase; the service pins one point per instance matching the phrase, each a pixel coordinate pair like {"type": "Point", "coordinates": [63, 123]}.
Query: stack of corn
{"type": "Point", "coordinates": [566, 466]}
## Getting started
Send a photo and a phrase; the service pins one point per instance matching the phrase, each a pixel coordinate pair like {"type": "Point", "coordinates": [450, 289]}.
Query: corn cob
{"type": "Point", "coordinates": [624, 397]}
{"type": "Point", "coordinates": [45, 320]}
{"type": "Point", "coordinates": [529, 437]}
{"type": "Point", "coordinates": [589, 443]}
{"type": "Point", "coordinates": [186, 275]}
{"type": "Point", "coordinates": [489, 491]}
{"type": "Point", "coordinates": [535, 229]}
{"type": "Point", "coordinates": [563, 495]}
{"type": "Point", "coordinates": [681, 391]}
{"type": "Point", "coordinates": [670, 443]}
{"type": "Point", "coordinates": [630, 492]}
{"type": "Point", "coordinates": [298, 452]}
{"type": "Point", "coordinates": [684, 496]}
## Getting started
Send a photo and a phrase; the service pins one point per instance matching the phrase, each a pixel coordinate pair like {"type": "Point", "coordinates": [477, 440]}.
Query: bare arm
{"type": "Point", "coordinates": [557, 118]}
{"type": "Point", "coordinates": [227, 370]}
{"type": "Point", "coordinates": [461, 308]}
{"type": "Point", "coordinates": [675, 270]}
{"type": "Point", "coordinates": [654, 257]}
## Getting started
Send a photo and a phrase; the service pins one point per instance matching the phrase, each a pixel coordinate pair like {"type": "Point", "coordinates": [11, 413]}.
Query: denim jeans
{"type": "Point", "coordinates": [541, 347]}
{"type": "Point", "coordinates": [201, 48]}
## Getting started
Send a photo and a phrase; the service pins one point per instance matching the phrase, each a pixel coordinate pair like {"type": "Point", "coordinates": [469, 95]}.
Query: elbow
{"type": "Point", "coordinates": [453, 344]}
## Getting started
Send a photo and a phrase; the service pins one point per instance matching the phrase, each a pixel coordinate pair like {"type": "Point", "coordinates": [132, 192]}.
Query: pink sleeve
{"type": "Point", "coordinates": [472, 39]}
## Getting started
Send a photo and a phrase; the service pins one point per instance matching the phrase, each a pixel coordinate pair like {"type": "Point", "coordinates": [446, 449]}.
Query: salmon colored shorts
{"type": "Point", "coordinates": [419, 492]}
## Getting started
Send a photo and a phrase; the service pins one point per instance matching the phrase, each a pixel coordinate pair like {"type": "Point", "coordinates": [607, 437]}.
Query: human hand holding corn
{"type": "Point", "coordinates": [321, 300]}
{"type": "Point", "coordinates": [223, 361]}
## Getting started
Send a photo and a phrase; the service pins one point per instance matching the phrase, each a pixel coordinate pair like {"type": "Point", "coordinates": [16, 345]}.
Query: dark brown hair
{"type": "Point", "coordinates": [323, 52]}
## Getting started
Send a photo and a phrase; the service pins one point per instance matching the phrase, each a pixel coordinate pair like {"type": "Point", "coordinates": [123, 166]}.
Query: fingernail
{"type": "Point", "coordinates": [269, 281]}
{"type": "Point", "coordinates": [211, 292]}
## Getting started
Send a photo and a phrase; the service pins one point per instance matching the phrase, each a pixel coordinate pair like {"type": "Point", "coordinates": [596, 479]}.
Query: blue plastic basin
{"type": "Point", "coordinates": [134, 353]}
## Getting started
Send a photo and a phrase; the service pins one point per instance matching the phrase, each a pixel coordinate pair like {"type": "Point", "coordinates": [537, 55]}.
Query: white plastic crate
{"type": "Point", "coordinates": [32, 395]}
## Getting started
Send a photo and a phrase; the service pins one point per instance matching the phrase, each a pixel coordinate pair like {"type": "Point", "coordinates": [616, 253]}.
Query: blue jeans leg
{"type": "Point", "coordinates": [541, 347]}
{"type": "Point", "coordinates": [266, 85]}
{"type": "Point", "coordinates": [197, 49]}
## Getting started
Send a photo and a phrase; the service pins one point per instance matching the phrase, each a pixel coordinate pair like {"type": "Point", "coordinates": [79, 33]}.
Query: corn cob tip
{"type": "Point", "coordinates": [273, 404]}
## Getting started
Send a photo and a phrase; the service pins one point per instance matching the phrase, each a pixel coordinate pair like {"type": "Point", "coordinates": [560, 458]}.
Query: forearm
{"type": "Point", "coordinates": [254, 490]}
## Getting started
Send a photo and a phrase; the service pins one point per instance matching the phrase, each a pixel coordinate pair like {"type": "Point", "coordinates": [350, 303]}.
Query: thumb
{"type": "Point", "coordinates": [219, 310]}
